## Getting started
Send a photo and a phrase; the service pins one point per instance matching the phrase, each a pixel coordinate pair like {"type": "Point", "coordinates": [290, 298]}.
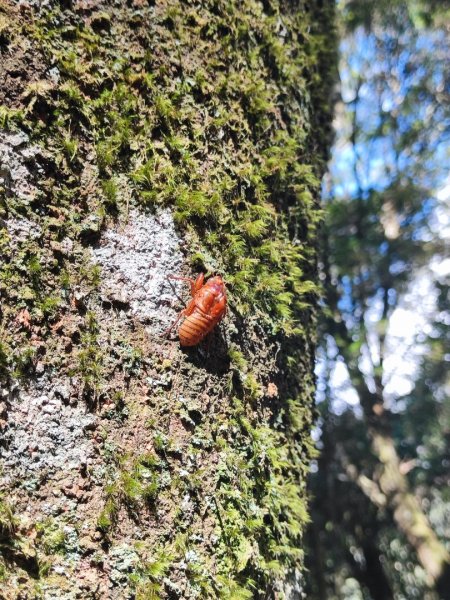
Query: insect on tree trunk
{"type": "Point", "coordinates": [139, 141]}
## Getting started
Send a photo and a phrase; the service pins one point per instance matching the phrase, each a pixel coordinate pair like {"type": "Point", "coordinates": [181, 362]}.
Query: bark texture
{"type": "Point", "coordinates": [141, 139]}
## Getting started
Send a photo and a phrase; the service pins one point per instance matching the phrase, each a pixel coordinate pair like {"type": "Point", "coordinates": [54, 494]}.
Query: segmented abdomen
{"type": "Point", "coordinates": [194, 328]}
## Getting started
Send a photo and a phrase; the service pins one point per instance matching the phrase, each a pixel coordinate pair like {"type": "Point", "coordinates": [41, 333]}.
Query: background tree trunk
{"type": "Point", "coordinates": [141, 139]}
{"type": "Point", "coordinates": [388, 486]}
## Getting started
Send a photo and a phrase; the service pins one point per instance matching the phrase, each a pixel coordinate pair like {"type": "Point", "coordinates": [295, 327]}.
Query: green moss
{"type": "Point", "coordinates": [108, 515]}
{"type": "Point", "coordinates": [147, 579]}
{"type": "Point", "coordinates": [51, 537]}
{"type": "Point", "coordinates": [11, 118]}
{"type": "Point", "coordinates": [230, 589]}
{"type": "Point", "coordinates": [134, 481]}
{"type": "Point", "coordinates": [22, 361]}
{"type": "Point", "coordinates": [8, 522]}
{"type": "Point", "coordinates": [70, 147]}
{"type": "Point", "coordinates": [239, 199]}
{"type": "Point", "coordinates": [237, 359]}
{"type": "Point", "coordinates": [90, 355]}
{"type": "Point", "coordinates": [109, 187]}
{"type": "Point", "coordinates": [16, 548]}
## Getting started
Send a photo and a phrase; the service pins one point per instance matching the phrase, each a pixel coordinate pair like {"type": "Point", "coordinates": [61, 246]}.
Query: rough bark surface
{"type": "Point", "coordinates": [140, 139]}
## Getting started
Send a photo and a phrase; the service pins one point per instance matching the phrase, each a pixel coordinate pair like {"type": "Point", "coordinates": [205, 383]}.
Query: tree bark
{"type": "Point", "coordinates": [141, 140]}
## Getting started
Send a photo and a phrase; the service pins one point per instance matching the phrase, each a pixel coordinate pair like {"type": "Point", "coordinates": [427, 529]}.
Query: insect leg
{"type": "Point", "coordinates": [167, 332]}
{"type": "Point", "coordinates": [195, 284]}
{"type": "Point", "coordinates": [188, 280]}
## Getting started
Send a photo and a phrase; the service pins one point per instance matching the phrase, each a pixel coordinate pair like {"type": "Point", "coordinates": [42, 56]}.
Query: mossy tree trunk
{"type": "Point", "coordinates": [141, 139]}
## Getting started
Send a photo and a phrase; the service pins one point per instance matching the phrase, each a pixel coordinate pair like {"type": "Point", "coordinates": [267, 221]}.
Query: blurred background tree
{"type": "Point", "coordinates": [381, 488]}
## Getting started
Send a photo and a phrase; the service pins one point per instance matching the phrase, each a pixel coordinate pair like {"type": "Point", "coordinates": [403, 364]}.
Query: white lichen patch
{"type": "Point", "coordinates": [18, 165]}
{"type": "Point", "coordinates": [19, 169]}
{"type": "Point", "coordinates": [44, 437]}
{"type": "Point", "coordinates": [136, 259]}
{"type": "Point", "coordinates": [22, 230]}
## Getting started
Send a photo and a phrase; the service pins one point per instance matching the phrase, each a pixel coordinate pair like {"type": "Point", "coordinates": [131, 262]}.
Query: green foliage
{"type": "Point", "coordinates": [379, 240]}
{"type": "Point", "coordinates": [370, 13]}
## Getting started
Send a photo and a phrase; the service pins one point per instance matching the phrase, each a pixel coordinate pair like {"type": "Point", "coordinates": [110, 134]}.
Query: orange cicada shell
{"type": "Point", "coordinates": [207, 307]}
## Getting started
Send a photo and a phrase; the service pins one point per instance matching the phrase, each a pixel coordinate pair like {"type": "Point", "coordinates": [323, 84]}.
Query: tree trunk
{"type": "Point", "coordinates": [391, 488]}
{"type": "Point", "coordinates": [139, 140]}
{"type": "Point", "coordinates": [409, 515]}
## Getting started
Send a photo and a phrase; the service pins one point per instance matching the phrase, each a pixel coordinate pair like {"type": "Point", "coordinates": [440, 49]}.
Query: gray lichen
{"type": "Point", "coordinates": [45, 437]}
{"type": "Point", "coordinates": [136, 257]}
{"type": "Point", "coordinates": [18, 165]}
